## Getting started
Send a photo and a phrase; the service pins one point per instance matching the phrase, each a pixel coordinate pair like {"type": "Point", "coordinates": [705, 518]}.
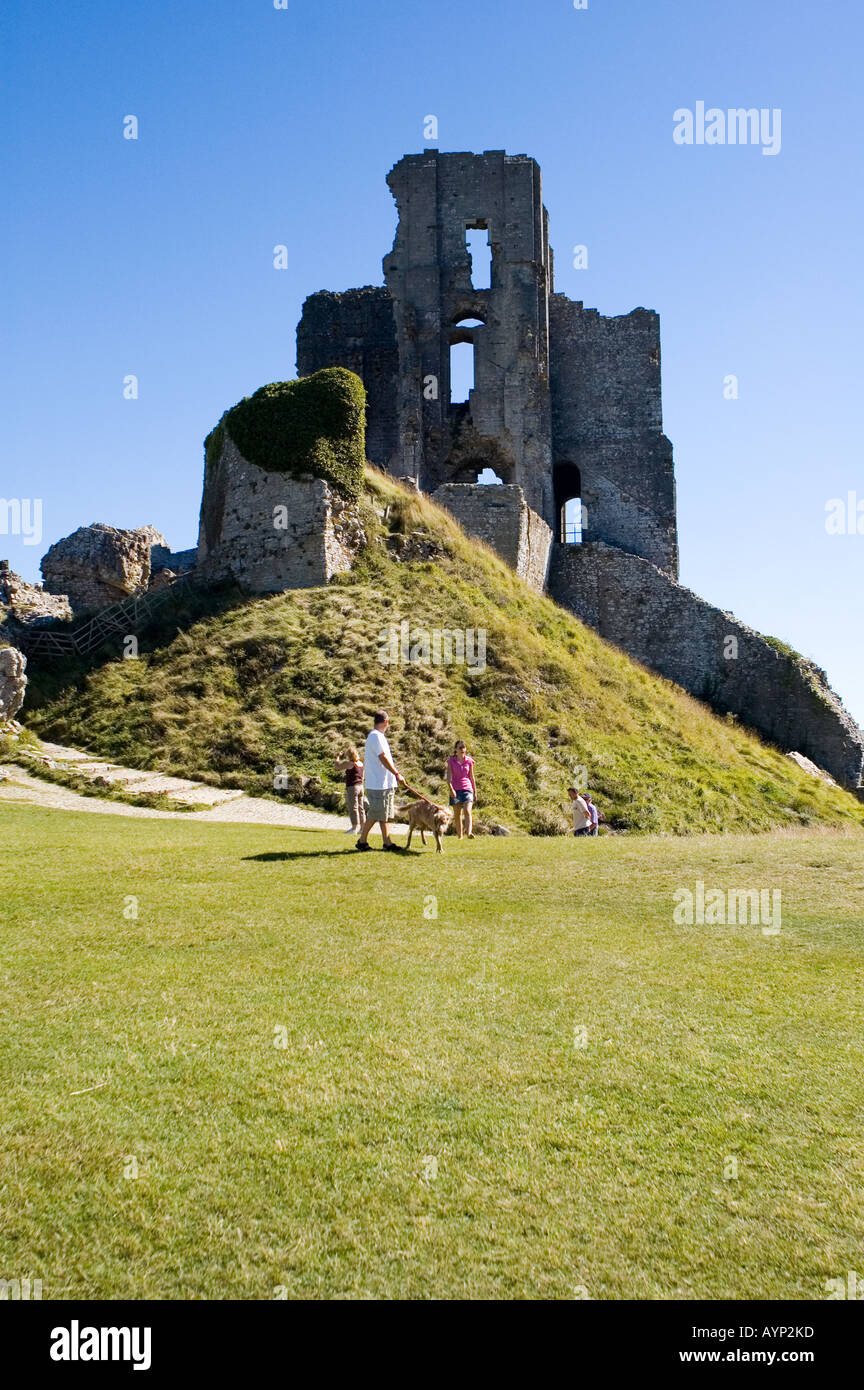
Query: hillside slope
{"type": "Point", "coordinates": [256, 685]}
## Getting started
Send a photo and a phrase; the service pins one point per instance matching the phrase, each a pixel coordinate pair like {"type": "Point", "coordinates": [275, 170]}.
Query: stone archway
{"type": "Point", "coordinates": [567, 489]}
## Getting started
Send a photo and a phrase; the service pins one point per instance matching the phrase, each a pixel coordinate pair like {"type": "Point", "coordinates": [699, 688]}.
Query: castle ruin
{"type": "Point", "coordinates": [566, 405]}
{"type": "Point", "coordinates": [565, 410]}
{"type": "Point", "coordinates": [565, 402]}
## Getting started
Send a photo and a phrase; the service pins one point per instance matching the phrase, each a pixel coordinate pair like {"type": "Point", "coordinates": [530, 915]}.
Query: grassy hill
{"type": "Point", "coordinates": [235, 688]}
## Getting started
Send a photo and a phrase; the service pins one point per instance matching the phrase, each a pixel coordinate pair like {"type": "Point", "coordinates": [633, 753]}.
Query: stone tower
{"type": "Point", "coordinates": [505, 424]}
{"type": "Point", "coordinates": [565, 403]}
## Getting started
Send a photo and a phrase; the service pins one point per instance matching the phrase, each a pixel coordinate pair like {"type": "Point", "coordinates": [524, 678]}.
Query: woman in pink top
{"type": "Point", "coordinates": [460, 775]}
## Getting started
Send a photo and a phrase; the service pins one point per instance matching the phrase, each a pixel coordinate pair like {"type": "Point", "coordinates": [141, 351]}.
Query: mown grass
{"type": "Point", "coordinates": [287, 681]}
{"type": "Point", "coordinates": [307, 1169]}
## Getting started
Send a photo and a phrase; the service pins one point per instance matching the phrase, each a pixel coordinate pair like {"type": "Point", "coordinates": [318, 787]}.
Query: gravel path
{"type": "Point", "coordinates": [18, 785]}
{"type": "Point", "coordinates": [217, 803]}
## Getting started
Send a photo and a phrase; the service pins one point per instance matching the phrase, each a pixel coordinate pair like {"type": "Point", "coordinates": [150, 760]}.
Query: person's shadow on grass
{"type": "Point", "coordinates": [275, 856]}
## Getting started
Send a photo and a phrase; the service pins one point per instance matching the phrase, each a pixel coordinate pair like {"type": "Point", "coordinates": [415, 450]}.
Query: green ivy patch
{"type": "Point", "coordinates": [315, 425]}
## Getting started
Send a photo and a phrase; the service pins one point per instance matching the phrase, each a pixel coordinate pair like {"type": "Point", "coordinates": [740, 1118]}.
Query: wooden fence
{"type": "Point", "coordinates": [119, 620]}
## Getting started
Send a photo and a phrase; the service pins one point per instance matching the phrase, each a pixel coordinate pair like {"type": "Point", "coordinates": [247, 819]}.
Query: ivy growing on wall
{"type": "Point", "coordinates": [316, 425]}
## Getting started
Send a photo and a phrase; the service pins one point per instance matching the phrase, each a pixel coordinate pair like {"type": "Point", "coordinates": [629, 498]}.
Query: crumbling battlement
{"type": "Point", "coordinates": [178, 561]}
{"type": "Point", "coordinates": [607, 428]}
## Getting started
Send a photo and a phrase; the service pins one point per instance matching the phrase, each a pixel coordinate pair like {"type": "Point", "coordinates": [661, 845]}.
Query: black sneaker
{"type": "Point", "coordinates": [362, 844]}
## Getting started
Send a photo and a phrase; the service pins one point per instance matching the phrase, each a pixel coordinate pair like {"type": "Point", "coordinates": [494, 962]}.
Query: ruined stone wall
{"type": "Point", "coordinates": [499, 516]}
{"type": "Point", "coordinates": [607, 420]}
{"type": "Point", "coordinates": [98, 565]}
{"type": "Point", "coordinates": [29, 603]}
{"type": "Point", "coordinates": [356, 330]}
{"type": "Point", "coordinates": [669, 629]}
{"type": "Point", "coordinates": [241, 537]}
{"type": "Point", "coordinates": [505, 424]}
{"type": "Point", "coordinates": [163, 558]}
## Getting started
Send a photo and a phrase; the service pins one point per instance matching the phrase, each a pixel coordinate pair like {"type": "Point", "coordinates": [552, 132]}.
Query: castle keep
{"type": "Point", "coordinates": [566, 404]}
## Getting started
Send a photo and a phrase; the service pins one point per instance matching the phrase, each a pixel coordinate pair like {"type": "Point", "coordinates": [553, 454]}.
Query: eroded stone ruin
{"type": "Point", "coordinates": [565, 411]}
{"type": "Point", "coordinates": [270, 532]}
{"type": "Point", "coordinates": [566, 404]}
{"type": "Point", "coordinates": [100, 564]}
{"type": "Point", "coordinates": [13, 682]}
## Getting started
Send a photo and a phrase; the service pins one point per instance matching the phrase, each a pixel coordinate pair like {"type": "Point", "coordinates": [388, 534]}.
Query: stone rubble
{"type": "Point", "coordinates": [29, 603]}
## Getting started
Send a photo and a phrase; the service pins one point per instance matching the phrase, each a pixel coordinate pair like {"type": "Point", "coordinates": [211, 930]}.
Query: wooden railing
{"type": "Point", "coordinates": [119, 620]}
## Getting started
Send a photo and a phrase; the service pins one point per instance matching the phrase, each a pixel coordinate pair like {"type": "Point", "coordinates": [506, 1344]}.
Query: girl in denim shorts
{"type": "Point", "coordinates": [463, 791]}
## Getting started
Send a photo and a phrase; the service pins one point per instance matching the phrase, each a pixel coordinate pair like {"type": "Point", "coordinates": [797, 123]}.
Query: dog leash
{"type": "Point", "coordinates": [419, 795]}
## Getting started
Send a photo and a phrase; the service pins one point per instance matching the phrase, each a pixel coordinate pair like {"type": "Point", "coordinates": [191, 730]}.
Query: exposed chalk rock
{"type": "Point", "coordinates": [807, 765]}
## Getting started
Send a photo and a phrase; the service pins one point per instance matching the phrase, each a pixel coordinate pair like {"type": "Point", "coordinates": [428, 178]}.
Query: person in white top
{"type": "Point", "coordinates": [581, 813]}
{"type": "Point", "coordinates": [382, 779]}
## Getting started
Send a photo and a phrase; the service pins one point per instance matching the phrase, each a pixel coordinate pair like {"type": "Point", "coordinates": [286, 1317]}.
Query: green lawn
{"type": "Point", "coordinates": [412, 1042]}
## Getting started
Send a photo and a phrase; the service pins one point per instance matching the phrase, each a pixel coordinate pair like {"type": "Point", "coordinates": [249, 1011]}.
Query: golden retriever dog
{"type": "Point", "coordinates": [425, 815]}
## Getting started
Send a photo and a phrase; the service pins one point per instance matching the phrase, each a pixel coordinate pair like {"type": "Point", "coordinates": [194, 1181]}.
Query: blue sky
{"type": "Point", "coordinates": [260, 127]}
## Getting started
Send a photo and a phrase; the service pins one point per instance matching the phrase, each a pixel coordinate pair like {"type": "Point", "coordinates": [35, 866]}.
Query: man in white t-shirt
{"type": "Point", "coordinates": [381, 778]}
{"type": "Point", "coordinates": [581, 813]}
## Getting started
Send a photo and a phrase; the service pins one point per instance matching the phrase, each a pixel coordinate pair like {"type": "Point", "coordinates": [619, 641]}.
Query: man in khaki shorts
{"type": "Point", "coordinates": [382, 779]}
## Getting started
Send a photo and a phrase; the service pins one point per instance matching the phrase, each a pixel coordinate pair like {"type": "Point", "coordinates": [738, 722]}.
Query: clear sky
{"type": "Point", "coordinates": [261, 126]}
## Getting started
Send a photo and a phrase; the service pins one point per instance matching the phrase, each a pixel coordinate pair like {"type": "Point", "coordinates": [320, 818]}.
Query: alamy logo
{"type": "Point", "coordinates": [845, 515]}
{"type": "Point", "coordinates": [23, 1289]}
{"type": "Point", "coordinates": [738, 126]}
{"type": "Point", "coordinates": [400, 644]}
{"type": "Point", "coordinates": [22, 516]}
{"type": "Point", "coordinates": [76, 1343]}
{"type": "Point", "coordinates": [852, 1287]}
{"type": "Point", "coordinates": [728, 908]}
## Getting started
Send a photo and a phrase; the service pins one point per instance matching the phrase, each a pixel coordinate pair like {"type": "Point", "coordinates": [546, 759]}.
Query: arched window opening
{"type": "Point", "coordinates": [462, 350]}
{"type": "Point", "coordinates": [571, 521]}
{"type": "Point", "coordinates": [568, 502]}
{"type": "Point", "coordinates": [480, 255]}
{"type": "Point", "coordinates": [486, 469]}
